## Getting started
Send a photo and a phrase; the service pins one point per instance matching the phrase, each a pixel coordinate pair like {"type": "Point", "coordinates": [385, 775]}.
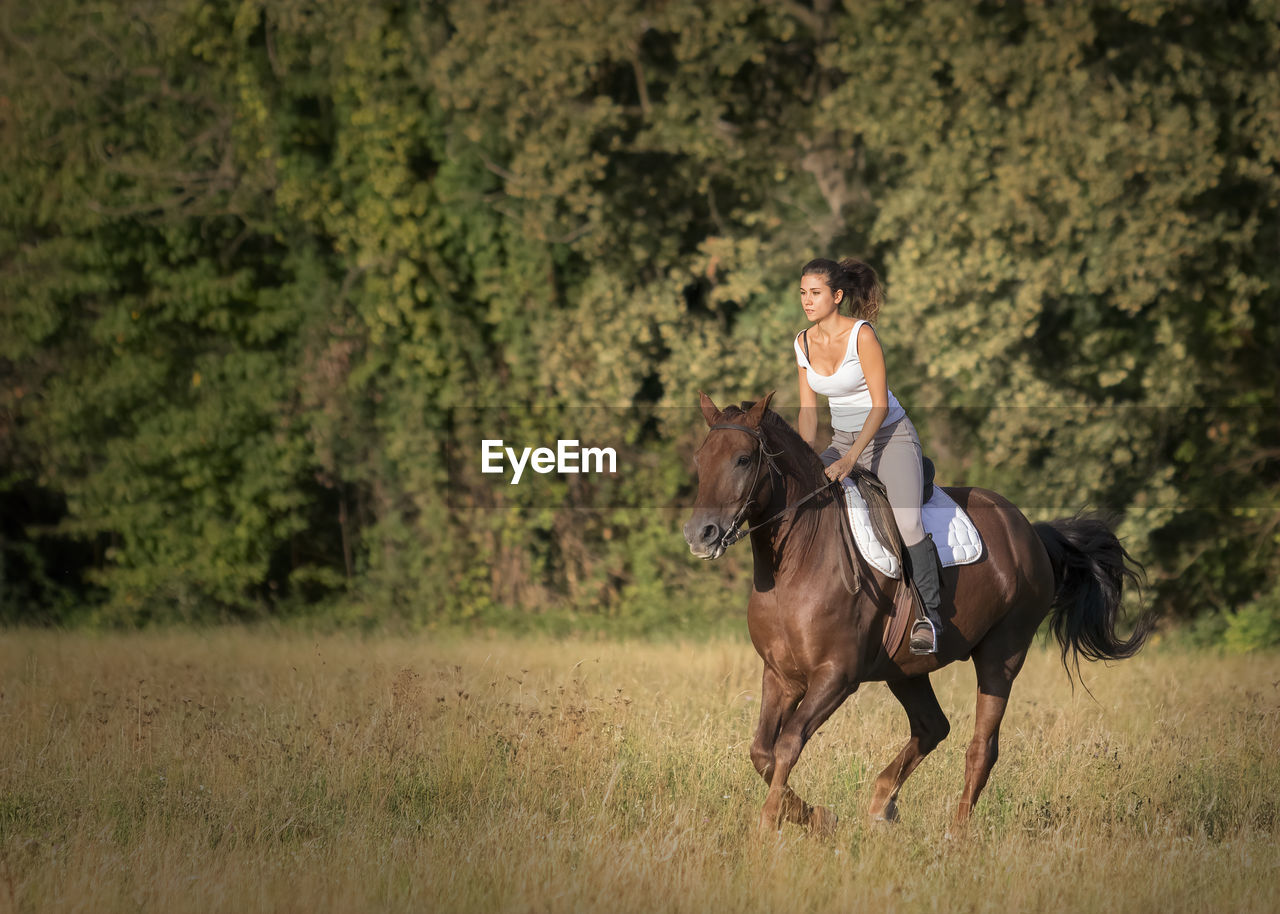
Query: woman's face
{"type": "Point", "coordinates": [816, 297]}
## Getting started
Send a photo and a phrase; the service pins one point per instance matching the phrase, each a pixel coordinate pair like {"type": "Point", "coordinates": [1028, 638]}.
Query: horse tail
{"type": "Point", "coordinates": [1090, 568]}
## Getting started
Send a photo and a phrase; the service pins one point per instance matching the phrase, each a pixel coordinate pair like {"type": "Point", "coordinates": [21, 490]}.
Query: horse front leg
{"type": "Point", "coordinates": [827, 690]}
{"type": "Point", "coordinates": [778, 700]}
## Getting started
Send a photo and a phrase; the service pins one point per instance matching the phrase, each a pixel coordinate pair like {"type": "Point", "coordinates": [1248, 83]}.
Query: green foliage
{"type": "Point", "coordinates": [1254, 626]}
{"type": "Point", "coordinates": [1077, 222]}
{"type": "Point", "coordinates": [257, 258]}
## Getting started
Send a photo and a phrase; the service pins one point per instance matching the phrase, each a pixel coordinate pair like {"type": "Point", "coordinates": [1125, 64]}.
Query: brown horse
{"type": "Point", "coordinates": [818, 611]}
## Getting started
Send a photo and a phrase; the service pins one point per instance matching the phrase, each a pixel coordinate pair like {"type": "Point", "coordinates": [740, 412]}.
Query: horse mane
{"type": "Point", "coordinates": [780, 431]}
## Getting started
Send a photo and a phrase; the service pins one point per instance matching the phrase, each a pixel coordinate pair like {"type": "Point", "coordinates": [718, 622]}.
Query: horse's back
{"type": "Point", "coordinates": [1014, 567]}
{"type": "Point", "coordinates": [993, 514]}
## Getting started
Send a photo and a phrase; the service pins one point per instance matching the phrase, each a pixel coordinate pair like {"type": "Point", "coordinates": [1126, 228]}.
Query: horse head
{"type": "Point", "coordinates": [734, 475]}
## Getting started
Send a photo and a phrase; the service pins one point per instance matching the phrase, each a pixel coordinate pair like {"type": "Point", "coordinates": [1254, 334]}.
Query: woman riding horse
{"type": "Point", "coordinates": [840, 357]}
{"type": "Point", "coordinates": [820, 615]}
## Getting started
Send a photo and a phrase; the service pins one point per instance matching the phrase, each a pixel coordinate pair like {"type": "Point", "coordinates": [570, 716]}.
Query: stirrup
{"type": "Point", "coordinates": [924, 637]}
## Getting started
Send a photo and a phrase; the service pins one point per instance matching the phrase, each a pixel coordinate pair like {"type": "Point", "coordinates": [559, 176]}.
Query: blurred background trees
{"type": "Point", "coordinates": [258, 258]}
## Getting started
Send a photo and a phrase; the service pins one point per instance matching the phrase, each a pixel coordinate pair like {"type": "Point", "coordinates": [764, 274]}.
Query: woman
{"type": "Point", "coordinates": [840, 357]}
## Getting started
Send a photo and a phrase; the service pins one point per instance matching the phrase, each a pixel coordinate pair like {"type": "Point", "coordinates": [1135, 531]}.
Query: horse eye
{"type": "Point", "coordinates": [743, 460]}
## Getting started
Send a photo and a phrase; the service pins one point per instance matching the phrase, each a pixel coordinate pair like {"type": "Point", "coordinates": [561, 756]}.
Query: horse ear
{"type": "Point", "coordinates": [756, 413]}
{"type": "Point", "coordinates": [710, 411]}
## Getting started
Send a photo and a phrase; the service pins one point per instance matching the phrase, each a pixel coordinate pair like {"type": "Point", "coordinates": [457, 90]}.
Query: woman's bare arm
{"type": "Point", "coordinates": [807, 423]}
{"type": "Point", "coordinates": [872, 358]}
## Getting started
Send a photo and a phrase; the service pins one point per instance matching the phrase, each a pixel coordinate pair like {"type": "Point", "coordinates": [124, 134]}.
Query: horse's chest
{"type": "Point", "coordinates": [793, 636]}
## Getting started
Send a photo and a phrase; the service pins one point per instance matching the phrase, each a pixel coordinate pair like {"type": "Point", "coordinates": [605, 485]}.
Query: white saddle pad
{"type": "Point", "coordinates": [953, 532]}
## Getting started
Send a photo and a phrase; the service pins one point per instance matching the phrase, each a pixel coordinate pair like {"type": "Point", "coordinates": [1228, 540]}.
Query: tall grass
{"type": "Point", "coordinates": [240, 770]}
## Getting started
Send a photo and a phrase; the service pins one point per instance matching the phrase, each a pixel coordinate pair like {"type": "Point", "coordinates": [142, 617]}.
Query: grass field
{"type": "Point", "coordinates": [241, 770]}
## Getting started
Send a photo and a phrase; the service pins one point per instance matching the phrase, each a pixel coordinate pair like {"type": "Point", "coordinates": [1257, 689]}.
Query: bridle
{"type": "Point", "coordinates": [735, 532]}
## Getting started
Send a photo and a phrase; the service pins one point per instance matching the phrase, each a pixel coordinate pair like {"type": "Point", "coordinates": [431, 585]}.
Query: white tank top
{"type": "Point", "coordinates": [846, 390]}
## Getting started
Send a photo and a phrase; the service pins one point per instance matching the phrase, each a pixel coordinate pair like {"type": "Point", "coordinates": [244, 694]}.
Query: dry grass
{"type": "Point", "coordinates": [236, 770]}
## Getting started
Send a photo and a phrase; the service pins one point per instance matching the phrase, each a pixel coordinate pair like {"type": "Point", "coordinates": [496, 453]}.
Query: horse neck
{"type": "Point", "coordinates": [793, 537]}
{"type": "Point", "coordinates": [812, 547]}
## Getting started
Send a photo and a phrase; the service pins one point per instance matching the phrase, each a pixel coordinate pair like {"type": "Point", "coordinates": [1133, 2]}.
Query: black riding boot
{"type": "Point", "coordinates": [924, 573]}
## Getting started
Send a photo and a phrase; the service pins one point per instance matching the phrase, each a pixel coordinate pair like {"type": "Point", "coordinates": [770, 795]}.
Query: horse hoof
{"type": "Point", "coordinates": [887, 816]}
{"type": "Point", "coordinates": [822, 822]}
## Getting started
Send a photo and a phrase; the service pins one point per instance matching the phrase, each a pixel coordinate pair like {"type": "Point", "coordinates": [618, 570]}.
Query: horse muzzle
{"type": "Point", "coordinates": [706, 540]}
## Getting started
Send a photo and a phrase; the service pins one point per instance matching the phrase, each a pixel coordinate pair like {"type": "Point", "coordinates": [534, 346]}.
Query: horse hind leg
{"type": "Point", "coordinates": [929, 727]}
{"type": "Point", "coordinates": [996, 665]}
{"type": "Point", "coordinates": [983, 751]}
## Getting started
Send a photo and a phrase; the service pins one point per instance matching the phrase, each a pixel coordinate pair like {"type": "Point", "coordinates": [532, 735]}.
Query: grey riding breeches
{"type": "Point", "coordinates": [893, 455]}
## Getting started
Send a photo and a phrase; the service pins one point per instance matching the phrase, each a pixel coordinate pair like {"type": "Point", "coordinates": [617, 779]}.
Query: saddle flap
{"type": "Point", "coordinates": [903, 612]}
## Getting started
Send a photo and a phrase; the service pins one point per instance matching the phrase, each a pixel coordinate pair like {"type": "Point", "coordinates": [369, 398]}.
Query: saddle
{"type": "Point", "coordinates": [954, 534]}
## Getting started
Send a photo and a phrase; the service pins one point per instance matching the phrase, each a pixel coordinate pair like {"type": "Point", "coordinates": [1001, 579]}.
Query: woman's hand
{"type": "Point", "coordinates": [841, 468]}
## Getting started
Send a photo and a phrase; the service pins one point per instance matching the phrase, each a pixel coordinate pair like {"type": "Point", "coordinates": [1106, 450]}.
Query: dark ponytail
{"type": "Point", "coordinates": [863, 291]}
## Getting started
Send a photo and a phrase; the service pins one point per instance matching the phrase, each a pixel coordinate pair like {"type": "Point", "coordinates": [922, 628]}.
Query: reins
{"type": "Point", "coordinates": [735, 531]}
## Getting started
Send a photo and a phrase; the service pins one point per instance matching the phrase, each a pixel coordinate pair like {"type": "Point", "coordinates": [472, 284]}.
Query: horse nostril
{"type": "Point", "coordinates": [710, 533]}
